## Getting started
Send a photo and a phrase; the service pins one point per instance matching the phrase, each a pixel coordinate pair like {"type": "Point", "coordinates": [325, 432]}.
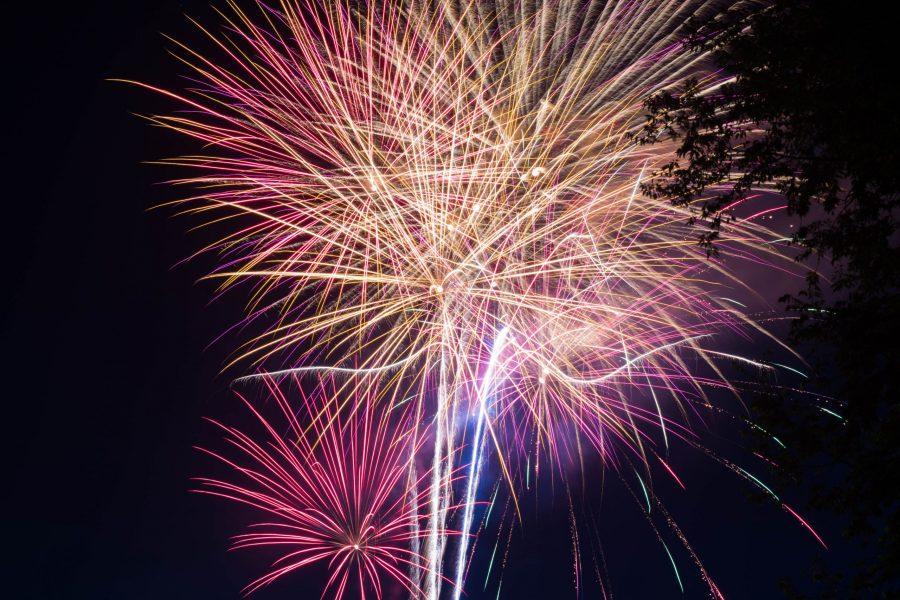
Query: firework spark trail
{"type": "Point", "coordinates": [488, 383]}
{"type": "Point", "coordinates": [439, 491]}
{"type": "Point", "coordinates": [394, 179]}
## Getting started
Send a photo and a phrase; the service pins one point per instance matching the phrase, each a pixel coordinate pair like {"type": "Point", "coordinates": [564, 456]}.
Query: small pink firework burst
{"type": "Point", "coordinates": [333, 480]}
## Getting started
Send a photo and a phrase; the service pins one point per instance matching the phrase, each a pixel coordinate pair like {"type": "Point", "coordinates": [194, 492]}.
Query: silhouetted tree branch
{"type": "Point", "coordinates": [807, 109]}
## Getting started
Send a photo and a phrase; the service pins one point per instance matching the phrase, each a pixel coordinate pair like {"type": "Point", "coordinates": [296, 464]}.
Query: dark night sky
{"type": "Point", "coordinates": [107, 376]}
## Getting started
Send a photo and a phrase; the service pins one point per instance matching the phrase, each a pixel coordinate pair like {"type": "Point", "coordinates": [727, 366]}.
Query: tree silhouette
{"type": "Point", "coordinates": [809, 111]}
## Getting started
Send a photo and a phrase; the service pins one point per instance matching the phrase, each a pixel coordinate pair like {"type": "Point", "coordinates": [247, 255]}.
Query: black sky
{"type": "Point", "coordinates": [106, 375]}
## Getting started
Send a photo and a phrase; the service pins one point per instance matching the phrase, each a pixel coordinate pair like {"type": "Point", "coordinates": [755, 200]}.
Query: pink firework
{"type": "Point", "coordinates": [332, 484]}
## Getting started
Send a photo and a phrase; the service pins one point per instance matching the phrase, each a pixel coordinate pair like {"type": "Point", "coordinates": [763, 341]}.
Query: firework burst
{"type": "Point", "coordinates": [334, 490]}
{"type": "Point", "coordinates": [402, 184]}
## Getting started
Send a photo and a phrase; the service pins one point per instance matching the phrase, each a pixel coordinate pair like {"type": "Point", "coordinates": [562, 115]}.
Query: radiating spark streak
{"type": "Point", "coordinates": [662, 421]}
{"type": "Point", "coordinates": [760, 483]}
{"type": "Point", "coordinates": [644, 489]}
{"type": "Point", "coordinates": [488, 384]}
{"type": "Point", "coordinates": [631, 362]}
{"type": "Point", "coordinates": [332, 369]}
{"type": "Point", "coordinates": [437, 493]}
{"type": "Point", "coordinates": [674, 567]}
{"type": "Point", "coordinates": [831, 412]}
{"type": "Point", "coordinates": [733, 301]}
{"type": "Point", "coordinates": [487, 577]}
{"type": "Point", "coordinates": [805, 524]}
{"type": "Point", "coordinates": [671, 472]}
{"type": "Point", "coordinates": [793, 370]}
{"type": "Point", "coordinates": [741, 359]}
{"type": "Point", "coordinates": [490, 509]}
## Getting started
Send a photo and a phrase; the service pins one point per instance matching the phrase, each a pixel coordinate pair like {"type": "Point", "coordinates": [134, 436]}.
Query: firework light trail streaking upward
{"type": "Point", "coordinates": [393, 180]}
{"type": "Point", "coordinates": [488, 382]}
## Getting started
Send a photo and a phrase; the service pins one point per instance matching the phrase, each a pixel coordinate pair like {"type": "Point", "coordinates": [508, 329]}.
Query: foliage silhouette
{"type": "Point", "coordinates": [807, 110]}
